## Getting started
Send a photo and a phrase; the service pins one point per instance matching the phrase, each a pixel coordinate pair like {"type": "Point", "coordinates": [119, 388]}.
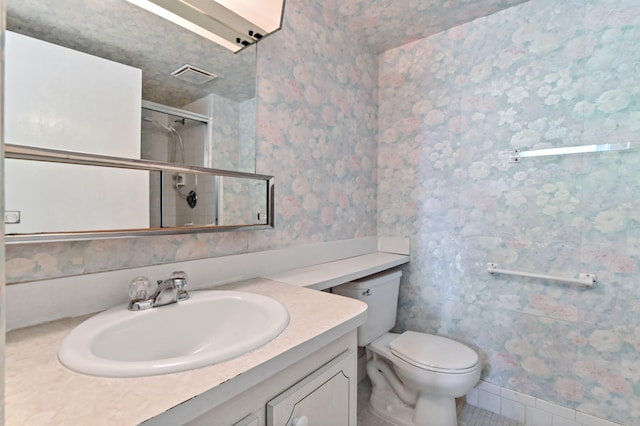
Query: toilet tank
{"type": "Point", "coordinates": [380, 293]}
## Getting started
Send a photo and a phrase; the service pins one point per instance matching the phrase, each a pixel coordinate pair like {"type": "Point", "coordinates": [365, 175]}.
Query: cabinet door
{"type": "Point", "coordinates": [324, 398]}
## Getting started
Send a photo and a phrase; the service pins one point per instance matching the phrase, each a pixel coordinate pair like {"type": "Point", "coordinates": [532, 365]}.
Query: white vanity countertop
{"type": "Point", "coordinates": [331, 274]}
{"type": "Point", "coordinates": [40, 391]}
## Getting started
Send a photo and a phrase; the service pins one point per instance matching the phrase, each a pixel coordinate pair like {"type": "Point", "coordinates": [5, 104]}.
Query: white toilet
{"type": "Point", "coordinates": [415, 376]}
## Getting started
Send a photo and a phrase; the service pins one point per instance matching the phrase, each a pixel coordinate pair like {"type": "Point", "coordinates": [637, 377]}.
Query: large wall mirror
{"type": "Point", "coordinates": [127, 84]}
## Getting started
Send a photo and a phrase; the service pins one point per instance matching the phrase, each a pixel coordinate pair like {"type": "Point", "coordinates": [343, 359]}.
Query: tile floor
{"type": "Point", "coordinates": [468, 415]}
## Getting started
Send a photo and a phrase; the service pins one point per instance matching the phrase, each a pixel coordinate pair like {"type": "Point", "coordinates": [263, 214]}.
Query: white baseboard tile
{"type": "Point", "coordinates": [589, 420]}
{"type": "Point", "coordinates": [527, 409]}
{"type": "Point", "coordinates": [513, 410]}
{"type": "Point", "coordinates": [537, 417]}
{"type": "Point", "coordinates": [560, 421]}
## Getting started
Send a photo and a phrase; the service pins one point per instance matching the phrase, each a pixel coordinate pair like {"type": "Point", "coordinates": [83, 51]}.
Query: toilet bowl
{"type": "Point", "coordinates": [426, 374]}
{"type": "Point", "coordinates": [415, 376]}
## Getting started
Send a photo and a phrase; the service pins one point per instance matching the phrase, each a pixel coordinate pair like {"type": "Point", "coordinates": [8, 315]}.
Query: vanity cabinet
{"type": "Point", "coordinates": [322, 398]}
{"type": "Point", "coordinates": [322, 328]}
{"type": "Point", "coordinates": [319, 389]}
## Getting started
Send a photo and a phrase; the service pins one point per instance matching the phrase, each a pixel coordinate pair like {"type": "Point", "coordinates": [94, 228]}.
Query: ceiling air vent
{"type": "Point", "coordinates": [193, 75]}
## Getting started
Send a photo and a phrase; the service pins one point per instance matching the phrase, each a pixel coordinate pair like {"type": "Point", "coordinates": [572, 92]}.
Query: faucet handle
{"type": "Point", "coordinates": [140, 289]}
{"type": "Point", "coordinates": [180, 279]}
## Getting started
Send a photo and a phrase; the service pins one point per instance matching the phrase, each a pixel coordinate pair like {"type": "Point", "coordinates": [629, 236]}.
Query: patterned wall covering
{"type": "Point", "coordinates": [316, 125]}
{"type": "Point", "coordinates": [316, 133]}
{"type": "Point", "coordinates": [544, 74]}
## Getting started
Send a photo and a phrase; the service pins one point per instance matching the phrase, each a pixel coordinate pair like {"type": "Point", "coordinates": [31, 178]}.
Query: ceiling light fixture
{"type": "Point", "coordinates": [234, 24]}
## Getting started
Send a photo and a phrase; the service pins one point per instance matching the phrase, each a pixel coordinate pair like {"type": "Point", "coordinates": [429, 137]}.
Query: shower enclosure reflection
{"type": "Point", "coordinates": [213, 201]}
{"type": "Point", "coordinates": [178, 136]}
{"type": "Point", "coordinates": [185, 137]}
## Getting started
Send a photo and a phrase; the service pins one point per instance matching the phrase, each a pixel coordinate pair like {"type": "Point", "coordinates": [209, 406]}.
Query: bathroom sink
{"type": "Point", "coordinates": [208, 328]}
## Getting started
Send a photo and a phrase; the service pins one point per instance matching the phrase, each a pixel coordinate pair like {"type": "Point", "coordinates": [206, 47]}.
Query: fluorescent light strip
{"type": "Point", "coordinates": [208, 33]}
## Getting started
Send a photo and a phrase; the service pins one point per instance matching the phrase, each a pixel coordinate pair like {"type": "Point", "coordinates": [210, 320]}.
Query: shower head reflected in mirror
{"type": "Point", "coordinates": [191, 197]}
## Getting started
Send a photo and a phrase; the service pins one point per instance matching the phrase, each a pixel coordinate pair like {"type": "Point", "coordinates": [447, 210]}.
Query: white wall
{"type": "Point", "coordinates": [59, 98]}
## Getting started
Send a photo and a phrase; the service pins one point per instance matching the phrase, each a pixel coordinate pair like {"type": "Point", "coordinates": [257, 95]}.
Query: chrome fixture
{"type": "Point", "coordinates": [171, 290]}
{"type": "Point", "coordinates": [23, 152]}
{"type": "Point", "coordinates": [586, 280]}
{"type": "Point", "coordinates": [517, 155]}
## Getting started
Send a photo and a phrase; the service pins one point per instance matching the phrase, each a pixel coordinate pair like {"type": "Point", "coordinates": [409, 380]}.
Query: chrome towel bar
{"type": "Point", "coordinates": [517, 155]}
{"type": "Point", "coordinates": [583, 280]}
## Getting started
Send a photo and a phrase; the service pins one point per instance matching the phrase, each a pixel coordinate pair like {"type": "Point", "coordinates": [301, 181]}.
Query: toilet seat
{"type": "Point", "coordinates": [434, 353]}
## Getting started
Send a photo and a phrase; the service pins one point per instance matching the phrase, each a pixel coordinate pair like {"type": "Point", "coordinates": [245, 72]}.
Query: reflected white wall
{"type": "Point", "coordinates": [52, 101]}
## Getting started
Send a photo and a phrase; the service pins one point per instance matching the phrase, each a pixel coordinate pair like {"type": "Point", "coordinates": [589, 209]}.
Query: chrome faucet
{"type": "Point", "coordinates": [171, 290]}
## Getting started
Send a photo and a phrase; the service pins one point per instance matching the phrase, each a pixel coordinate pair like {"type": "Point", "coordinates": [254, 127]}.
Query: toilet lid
{"type": "Point", "coordinates": [433, 352]}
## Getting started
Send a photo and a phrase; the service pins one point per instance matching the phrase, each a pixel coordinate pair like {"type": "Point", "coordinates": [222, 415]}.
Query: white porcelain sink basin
{"type": "Point", "coordinates": [208, 328]}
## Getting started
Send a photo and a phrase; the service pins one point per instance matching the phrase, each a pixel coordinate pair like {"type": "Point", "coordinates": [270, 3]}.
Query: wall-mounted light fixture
{"type": "Point", "coordinates": [234, 24]}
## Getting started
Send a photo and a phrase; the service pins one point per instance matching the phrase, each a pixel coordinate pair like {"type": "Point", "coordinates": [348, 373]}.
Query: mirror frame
{"type": "Point", "coordinates": [23, 152]}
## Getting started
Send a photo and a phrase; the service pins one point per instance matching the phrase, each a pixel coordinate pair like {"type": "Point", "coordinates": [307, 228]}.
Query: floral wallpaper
{"type": "Point", "coordinates": [548, 73]}
{"type": "Point", "coordinates": [385, 24]}
{"type": "Point", "coordinates": [317, 127]}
